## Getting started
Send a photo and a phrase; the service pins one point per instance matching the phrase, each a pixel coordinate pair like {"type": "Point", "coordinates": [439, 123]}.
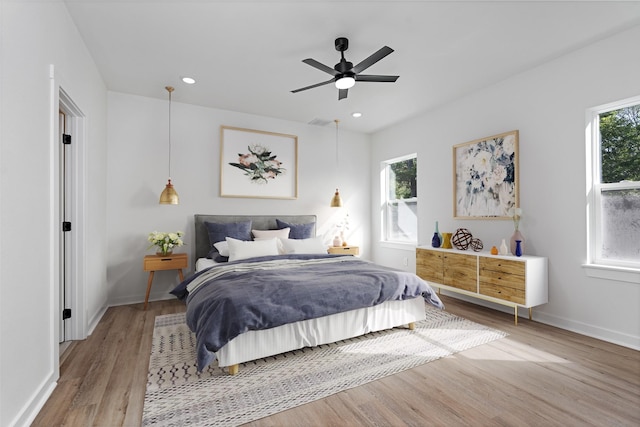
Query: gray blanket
{"type": "Point", "coordinates": [227, 300]}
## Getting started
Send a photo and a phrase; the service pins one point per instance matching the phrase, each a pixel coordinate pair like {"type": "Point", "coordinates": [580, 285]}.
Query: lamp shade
{"type": "Point", "coordinates": [169, 195]}
{"type": "Point", "coordinates": [336, 200]}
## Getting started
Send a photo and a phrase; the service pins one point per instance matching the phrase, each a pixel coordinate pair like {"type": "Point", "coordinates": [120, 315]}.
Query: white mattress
{"type": "Point", "coordinates": [257, 344]}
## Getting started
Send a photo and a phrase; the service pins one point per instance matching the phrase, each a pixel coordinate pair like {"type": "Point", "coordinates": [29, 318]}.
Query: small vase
{"type": "Point", "coordinates": [494, 250]}
{"type": "Point", "coordinates": [435, 240]}
{"type": "Point", "coordinates": [446, 241]}
{"type": "Point", "coordinates": [518, 248]}
{"type": "Point", "coordinates": [504, 250]}
{"type": "Point", "coordinates": [344, 241]}
{"type": "Point", "coordinates": [337, 241]}
{"type": "Point", "coordinates": [438, 233]}
{"type": "Point", "coordinates": [517, 235]}
{"type": "Point", "coordinates": [160, 252]}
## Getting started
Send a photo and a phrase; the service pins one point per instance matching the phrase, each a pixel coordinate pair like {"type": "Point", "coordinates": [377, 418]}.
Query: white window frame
{"type": "Point", "coordinates": [386, 202]}
{"type": "Point", "coordinates": [597, 266]}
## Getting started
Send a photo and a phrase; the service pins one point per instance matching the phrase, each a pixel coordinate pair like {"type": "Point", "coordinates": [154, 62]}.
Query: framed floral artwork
{"type": "Point", "coordinates": [258, 164]}
{"type": "Point", "coordinates": [485, 181]}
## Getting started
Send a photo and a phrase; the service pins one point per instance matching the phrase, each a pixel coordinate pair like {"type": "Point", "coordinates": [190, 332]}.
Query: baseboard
{"type": "Point", "coordinates": [610, 336]}
{"type": "Point", "coordinates": [585, 329]}
{"type": "Point", "coordinates": [93, 323]}
{"type": "Point", "coordinates": [31, 410]}
{"type": "Point", "coordinates": [135, 299]}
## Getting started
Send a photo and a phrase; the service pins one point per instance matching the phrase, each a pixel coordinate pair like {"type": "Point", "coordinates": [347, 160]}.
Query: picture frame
{"type": "Point", "coordinates": [485, 177]}
{"type": "Point", "coordinates": [258, 164]}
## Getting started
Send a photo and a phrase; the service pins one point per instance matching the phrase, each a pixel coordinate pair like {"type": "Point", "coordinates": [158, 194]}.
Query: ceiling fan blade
{"type": "Point", "coordinates": [312, 86]}
{"type": "Point", "coordinates": [320, 66]}
{"type": "Point", "coordinates": [342, 93]}
{"type": "Point", "coordinates": [386, 50]}
{"type": "Point", "coordinates": [374, 78]}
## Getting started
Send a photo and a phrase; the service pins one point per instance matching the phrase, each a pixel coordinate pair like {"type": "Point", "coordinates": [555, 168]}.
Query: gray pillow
{"type": "Point", "coordinates": [220, 231]}
{"type": "Point", "coordinates": [298, 231]}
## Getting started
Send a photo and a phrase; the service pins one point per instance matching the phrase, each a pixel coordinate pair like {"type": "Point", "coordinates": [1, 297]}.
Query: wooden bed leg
{"type": "Point", "coordinates": [233, 369]}
{"type": "Point", "coordinates": [412, 326]}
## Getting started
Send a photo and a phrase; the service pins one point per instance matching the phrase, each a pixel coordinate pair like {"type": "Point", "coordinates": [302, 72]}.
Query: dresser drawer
{"type": "Point", "coordinates": [344, 250]}
{"type": "Point", "coordinates": [460, 271]}
{"type": "Point", "coordinates": [170, 262]}
{"type": "Point", "coordinates": [503, 279]}
{"type": "Point", "coordinates": [429, 265]}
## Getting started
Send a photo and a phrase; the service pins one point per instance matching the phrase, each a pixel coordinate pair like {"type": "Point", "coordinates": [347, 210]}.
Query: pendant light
{"type": "Point", "coordinates": [169, 195]}
{"type": "Point", "coordinates": [336, 200]}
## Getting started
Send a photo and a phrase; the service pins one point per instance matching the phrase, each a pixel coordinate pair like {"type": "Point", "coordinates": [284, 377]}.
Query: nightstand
{"type": "Point", "coordinates": [153, 263]}
{"type": "Point", "coordinates": [344, 250]}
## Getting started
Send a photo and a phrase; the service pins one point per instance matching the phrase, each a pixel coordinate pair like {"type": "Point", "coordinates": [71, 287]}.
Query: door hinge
{"type": "Point", "coordinates": [66, 313]}
{"type": "Point", "coordinates": [66, 226]}
{"type": "Point", "coordinates": [66, 139]}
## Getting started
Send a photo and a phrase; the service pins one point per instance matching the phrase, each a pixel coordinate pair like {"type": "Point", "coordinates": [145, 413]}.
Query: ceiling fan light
{"type": "Point", "coordinates": [345, 82]}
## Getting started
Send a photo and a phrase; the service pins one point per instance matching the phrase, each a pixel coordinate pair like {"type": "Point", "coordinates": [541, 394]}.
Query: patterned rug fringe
{"type": "Point", "coordinates": [177, 395]}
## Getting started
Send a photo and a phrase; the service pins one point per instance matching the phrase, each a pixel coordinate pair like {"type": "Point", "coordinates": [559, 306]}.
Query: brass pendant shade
{"type": "Point", "coordinates": [336, 201]}
{"type": "Point", "coordinates": [169, 195]}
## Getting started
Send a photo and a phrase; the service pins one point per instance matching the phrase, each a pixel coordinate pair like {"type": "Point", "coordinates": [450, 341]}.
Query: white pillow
{"type": "Point", "coordinates": [222, 247]}
{"type": "Point", "coordinates": [243, 249]}
{"type": "Point", "coordinates": [269, 234]}
{"type": "Point", "coordinates": [313, 245]}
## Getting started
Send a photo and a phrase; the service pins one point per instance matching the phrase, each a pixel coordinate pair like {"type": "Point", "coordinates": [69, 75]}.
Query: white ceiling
{"type": "Point", "coordinates": [247, 55]}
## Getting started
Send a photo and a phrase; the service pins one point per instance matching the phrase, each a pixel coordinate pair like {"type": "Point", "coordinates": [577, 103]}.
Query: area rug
{"type": "Point", "coordinates": [177, 395]}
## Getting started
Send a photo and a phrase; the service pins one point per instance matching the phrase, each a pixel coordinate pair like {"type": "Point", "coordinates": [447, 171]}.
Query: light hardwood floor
{"type": "Point", "coordinates": [537, 376]}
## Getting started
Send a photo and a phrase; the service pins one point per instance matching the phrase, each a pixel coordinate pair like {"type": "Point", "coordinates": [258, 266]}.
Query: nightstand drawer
{"type": "Point", "coordinates": [169, 262]}
{"type": "Point", "coordinates": [344, 250]}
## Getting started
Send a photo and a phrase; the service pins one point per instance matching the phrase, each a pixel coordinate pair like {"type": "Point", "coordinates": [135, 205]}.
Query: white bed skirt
{"type": "Point", "coordinates": [308, 333]}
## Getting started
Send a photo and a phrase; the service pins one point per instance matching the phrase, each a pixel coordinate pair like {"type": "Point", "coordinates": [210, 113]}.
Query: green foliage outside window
{"type": "Point", "coordinates": [405, 178]}
{"type": "Point", "coordinates": [620, 144]}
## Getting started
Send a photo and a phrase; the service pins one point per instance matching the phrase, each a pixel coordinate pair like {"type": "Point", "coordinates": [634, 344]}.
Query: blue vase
{"type": "Point", "coordinates": [518, 247]}
{"type": "Point", "coordinates": [435, 241]}
{"type": "Point", "coordinates": [438, 233]}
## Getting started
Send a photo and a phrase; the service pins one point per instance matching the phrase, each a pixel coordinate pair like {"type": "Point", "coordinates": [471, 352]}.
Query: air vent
{"type": "Point", "coordinates": [320, 122]}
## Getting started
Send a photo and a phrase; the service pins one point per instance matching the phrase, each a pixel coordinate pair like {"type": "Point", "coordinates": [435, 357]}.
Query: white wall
{"type": "Point", "coordinates": [547, 105]}
{"type": "Point", "coordinates": [138, 168]}
{"type": "Point", "coordinates": [33, 36]}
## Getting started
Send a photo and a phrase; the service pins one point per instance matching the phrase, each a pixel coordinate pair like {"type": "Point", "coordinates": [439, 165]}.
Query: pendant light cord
{"type": "Point", "coordinates": [337, 160]}
{"type": "Point", "coordinates": [169, 89]}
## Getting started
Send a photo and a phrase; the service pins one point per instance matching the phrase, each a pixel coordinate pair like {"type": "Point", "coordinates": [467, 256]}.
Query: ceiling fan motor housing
{"type": "Point", "coordinates": [342, 44]}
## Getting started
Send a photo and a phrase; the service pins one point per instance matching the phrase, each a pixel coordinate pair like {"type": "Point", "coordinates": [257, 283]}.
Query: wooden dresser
{"type": "Point", "coordinates": [503, 279]}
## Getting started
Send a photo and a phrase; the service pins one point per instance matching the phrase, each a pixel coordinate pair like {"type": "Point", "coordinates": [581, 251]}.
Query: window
{"type": "Point", "coordinates": [400, 201]}
{"type": "Point", "coordinates": [614, 221]}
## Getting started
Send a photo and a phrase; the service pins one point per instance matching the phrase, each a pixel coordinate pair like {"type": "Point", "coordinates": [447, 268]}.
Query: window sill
{"type": "Point", "coordinates": [407, 246]}
{"type": "Point", "coordinates": [620, 274]}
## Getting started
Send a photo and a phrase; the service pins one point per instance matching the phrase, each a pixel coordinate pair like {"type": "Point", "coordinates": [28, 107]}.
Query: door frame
{"type": "Point", "coordinates": [76, 192]}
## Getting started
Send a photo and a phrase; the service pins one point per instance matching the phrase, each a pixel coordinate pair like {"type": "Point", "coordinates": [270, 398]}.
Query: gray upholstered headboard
{"type": "Point", "coordinates": [258, 222]}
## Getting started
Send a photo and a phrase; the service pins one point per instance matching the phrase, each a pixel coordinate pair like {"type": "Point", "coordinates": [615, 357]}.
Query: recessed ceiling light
{"type": "Point", "coordinates": [356, 114]}
{"type": "Point", "coordinates": [188, 80]}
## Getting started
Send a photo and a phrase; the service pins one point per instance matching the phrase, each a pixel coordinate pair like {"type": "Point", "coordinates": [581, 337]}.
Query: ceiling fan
{"type": "Point", "coordinates": [345, 75]}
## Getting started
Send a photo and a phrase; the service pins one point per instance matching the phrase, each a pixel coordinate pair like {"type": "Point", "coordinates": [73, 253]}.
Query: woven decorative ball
{"type": "Point", "coordinates": [476, 245]}
{"type": "Point", "coordinates": [461, 239]}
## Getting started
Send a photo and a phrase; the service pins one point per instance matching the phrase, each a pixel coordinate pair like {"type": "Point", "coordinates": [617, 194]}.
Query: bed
{"type": "Point", "coordinates": [299, 311]}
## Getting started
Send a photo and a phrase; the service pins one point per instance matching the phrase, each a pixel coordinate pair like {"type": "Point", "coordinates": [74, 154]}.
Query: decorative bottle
{"type": "Point", "coordinates": [517, 235]}
{"type": "Point", "coordinates": [435, 240]}
{"type": "Point", "coordinates": [504, 250]}
{"type": "Point", "coordinates": [518, 248]}
{"type": "Point", "coordinates": [438, 233]}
